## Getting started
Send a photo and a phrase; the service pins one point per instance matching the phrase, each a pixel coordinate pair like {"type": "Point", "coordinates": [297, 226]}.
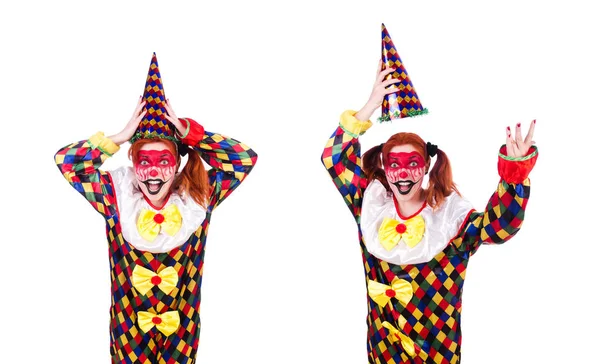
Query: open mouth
{"type": "Point", "coordinates": [154, 185]}
{"type": "Point", "coordinates": [404, 187]}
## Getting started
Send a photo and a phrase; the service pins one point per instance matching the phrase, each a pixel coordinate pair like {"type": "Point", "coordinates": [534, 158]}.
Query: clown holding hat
{"type": "Point", "coordinates": [156, 221]}
{"type": "Point", "coordinates": [416, 241]}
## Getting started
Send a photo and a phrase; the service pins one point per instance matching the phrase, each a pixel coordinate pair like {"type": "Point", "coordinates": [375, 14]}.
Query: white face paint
{"type": "Point", "coordinates": [404, 170]}
{"type": "Point", "coordinates": [155, 171]}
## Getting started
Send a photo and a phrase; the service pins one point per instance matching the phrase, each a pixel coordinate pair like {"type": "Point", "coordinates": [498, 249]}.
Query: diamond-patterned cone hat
{"type": "Point", "coordinates": [404, 103]}
{"type": "Point", "coordinates": [154, 124]}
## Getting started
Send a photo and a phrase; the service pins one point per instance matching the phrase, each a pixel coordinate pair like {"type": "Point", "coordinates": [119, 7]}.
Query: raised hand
{"type": "Point", "coordinates": [380, 89]}
{"type": "Point", "coordinates": [517, 147]}
{"type": "Point", "coordinates": [173, 118]}
{"type": "Point", "coordinates": [132, 124]}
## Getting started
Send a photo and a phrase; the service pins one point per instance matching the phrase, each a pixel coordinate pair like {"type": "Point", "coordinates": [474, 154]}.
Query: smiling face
{"type": "Point", "coordinates": [155, 169]}
{"type": "Point", "coordinates": [404, 169]}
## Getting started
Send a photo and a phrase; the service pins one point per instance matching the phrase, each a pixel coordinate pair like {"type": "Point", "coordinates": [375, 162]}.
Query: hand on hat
{"type": "Point", "coordinates": [132, 124]}
{"type": "Point", "coordinates": [170, 115]}
{"type": "Point", "coordinates": [518, 147]}
{"type": "Point", "coordinates": [380, 89]}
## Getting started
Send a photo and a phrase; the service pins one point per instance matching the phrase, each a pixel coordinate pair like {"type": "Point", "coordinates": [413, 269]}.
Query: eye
{"type": "Point", "coordinates": [413, 164]}
{"type": "Point", "coordinates": [394, 165]}
{"type": "Point", "coordinates": [164, 162]}
{"type": "Point", "coordinates": [144, 163]}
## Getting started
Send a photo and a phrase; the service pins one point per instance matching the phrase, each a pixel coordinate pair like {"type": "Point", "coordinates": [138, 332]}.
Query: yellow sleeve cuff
{"type": "Point", "coordinates": [103, 143]}
{"type": "Point", "coordinates": [352, 125]}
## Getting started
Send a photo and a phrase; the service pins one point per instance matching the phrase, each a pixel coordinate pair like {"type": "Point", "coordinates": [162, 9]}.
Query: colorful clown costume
{"type": "Point", "coordinates": [415, 265]}
{"type": "Point", "coordinates": [156, 253]}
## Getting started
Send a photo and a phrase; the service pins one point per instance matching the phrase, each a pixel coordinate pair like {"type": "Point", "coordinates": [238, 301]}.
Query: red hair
{"type": "Point", "coordinates": [192, 179]}
{"type": "Point", "coordinates": [440, 185]}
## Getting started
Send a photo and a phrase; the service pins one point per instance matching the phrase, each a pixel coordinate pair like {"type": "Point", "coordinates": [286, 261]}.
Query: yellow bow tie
{"type": "Point", "coordinates": [382, 293]}
{"type": "Point", "coordinates": [144, 279]}
{"type": "Point", "coordinates": [167, 322]}
{"type": "Point", "coordinates": [395, 335]}
{"type": "Point", "coordinates": [411, 232]}
{"type": "Point", "coordinates": [150, 223]}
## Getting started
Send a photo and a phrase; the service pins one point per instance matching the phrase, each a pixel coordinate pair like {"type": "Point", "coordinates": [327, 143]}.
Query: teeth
{"type": "Point", "coordinates": [405, 183]}
{"type": "Point", "coordinates": [154, 182]}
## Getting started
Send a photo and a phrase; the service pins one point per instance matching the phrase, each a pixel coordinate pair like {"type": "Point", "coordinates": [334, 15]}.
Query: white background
{"type": "Point", "coordinates": [283, 279]}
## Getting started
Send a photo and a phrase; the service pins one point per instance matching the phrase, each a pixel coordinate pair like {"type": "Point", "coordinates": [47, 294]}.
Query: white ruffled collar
{"type": "Point", "coordinates": [441, 225]}
{"type": "Point", "coordinates": [131, 202]}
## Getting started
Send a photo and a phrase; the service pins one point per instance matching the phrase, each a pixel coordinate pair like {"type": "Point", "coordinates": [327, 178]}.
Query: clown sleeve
{"type": "Point", "coordinates": [505, 210]}
{"type": "Point", "coordinates": [80, 165]}
{"type": "Point", "coordinates": [342, 159]}
{"type": "Point", "coordinates": [231, 160]}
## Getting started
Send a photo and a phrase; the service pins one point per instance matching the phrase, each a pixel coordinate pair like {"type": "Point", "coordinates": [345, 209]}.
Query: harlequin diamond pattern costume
{"type": "Point", "coordinates": [414, 308]}
{"type": "Point", "coordinates": [156, 254]}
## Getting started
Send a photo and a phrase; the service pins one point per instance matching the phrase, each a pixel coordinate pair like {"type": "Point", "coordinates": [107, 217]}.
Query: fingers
{"type": "Point", "coordinates": [529, 138]}
{"type": "Point", "coordinates": [168, 107]}
{"type": "Point", "coordinates": [170, 115]}
{"type": "Point", "coordinates": [384, 73]}
{"type": "Point", "coordinates": [391, 90]}
{"type": "Point", "coordinates": [139, 107]}
{"type": "Point", "coordinates": [391, 81]}
{"type": "Point", "coordinates": [519, 137]}
{"type": "Point", "coordinates": [379, 67]}
{"type": "Point", "coordinates": [510, 148]}
{"type": "Point", "coordinates": [518, 147]}
{"type": "Point", "coordinates": [140, 115]}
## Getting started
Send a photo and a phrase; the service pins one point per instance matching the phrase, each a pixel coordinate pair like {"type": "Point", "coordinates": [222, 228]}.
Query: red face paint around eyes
{"type": "Point", "coordinates": [155, 164]}
{"type": "Point", "coordinates": [404, 160]}
{"type": "Point", "coordinates": [404, 167]}
{"type": "Point", "coordinates": [155, 158]}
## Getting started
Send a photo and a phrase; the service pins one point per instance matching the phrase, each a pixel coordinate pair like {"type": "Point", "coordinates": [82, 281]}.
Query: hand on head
{"type": "Point", "coordinates": [170, 115]}
{"type": "Point", "coordinates": [132, 125]}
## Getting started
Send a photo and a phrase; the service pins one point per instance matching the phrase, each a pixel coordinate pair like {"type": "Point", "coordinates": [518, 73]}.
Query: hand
{"type": "Point", "coordinates": [379, 91]}
{"type": "Point", "coordinates": [518, 147]}
{"type": "Point", "coordinates": [170, 115]}
{"type": "Point", "coordinates": [132, 124]}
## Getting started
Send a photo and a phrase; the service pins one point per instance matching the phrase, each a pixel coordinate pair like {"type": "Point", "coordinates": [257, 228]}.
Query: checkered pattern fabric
{"type": "Point", "coordinates": [80, 164]}
{"type": "Point", "coordinates": [433, 314]}
{"type": "Point", "coordinates": [341, 157]}
{"type": "Point", "coordinates": [230, 161]}
{"type": "Point", "coordinates": [405, 102]}
{"type": "Point", "coordinates": [154, 124]}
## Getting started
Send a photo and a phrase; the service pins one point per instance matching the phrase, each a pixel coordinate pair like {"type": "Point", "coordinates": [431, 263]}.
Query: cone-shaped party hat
{"type": "Point", "coordinates": [154, 124]}
{"type": "Point", "coordinates": [405, 102]}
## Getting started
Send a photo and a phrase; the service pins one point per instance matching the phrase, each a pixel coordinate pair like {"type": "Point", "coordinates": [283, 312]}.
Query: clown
{"type": "Point", "coordinates": [416, 240]}
{"type": "Point", "coordinates": [156, 221]}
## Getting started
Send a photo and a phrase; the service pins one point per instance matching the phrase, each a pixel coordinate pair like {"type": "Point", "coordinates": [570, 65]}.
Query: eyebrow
{"type": "Point", "coordinates": [142, 154]}
{"type": "Point", "coordinates": [410, 157]}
